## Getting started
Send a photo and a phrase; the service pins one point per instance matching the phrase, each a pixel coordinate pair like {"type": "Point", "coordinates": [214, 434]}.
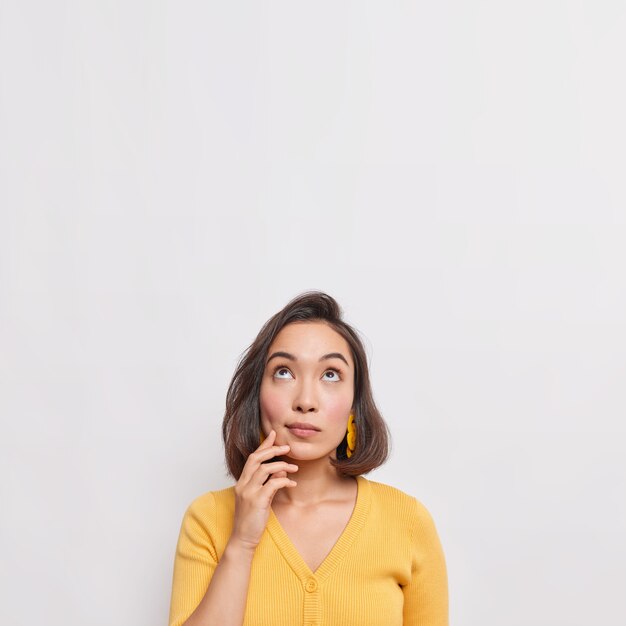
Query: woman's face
{"type": "Point", "coordinates": [308, 381]}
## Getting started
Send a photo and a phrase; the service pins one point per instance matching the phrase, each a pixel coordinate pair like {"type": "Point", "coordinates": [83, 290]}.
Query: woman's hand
{"type": "Point", "coordinates": [254, 492]}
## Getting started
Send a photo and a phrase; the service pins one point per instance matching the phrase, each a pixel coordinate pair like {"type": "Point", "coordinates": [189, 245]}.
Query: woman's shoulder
{"type": "Point", "coordinates": [399, 500]}
{"type": "Point", "coordinates": [209, 505]}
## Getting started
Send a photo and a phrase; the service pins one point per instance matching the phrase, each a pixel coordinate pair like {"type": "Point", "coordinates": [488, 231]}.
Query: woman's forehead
{"type": "Point", "coordinates": [310, 340]}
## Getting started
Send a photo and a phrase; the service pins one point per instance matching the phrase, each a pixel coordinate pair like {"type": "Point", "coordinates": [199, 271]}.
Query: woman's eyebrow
{"type": "Point", "coordinates": [291, 357]}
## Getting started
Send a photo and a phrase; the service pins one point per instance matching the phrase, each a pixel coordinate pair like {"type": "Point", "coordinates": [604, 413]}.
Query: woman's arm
{"type": "Point", "coordinates": [196, 559]}
{"type": "Point", "coordinates": [426, 595]}
{"type": "Point", "coordinates": [207, 591]}
{"type": "Point", "coordinates": [224, 603]}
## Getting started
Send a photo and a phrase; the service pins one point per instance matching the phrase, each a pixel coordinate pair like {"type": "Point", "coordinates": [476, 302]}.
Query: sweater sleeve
{"type": "Point", "coordinates": [195, 560]}
{"type": "Point", "coordinates": [426, 595]}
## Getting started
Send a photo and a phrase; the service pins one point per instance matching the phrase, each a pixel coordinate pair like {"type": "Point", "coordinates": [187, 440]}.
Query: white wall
{"type": "Point", "coordinates": [172, 173]}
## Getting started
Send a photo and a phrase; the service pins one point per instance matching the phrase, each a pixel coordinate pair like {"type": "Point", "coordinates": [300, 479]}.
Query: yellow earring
{"type": "Point", "coordinates": [351, 436]}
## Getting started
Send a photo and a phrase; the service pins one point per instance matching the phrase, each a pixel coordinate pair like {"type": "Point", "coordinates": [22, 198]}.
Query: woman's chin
{"type": "Point", "coordinates": [307, 453]}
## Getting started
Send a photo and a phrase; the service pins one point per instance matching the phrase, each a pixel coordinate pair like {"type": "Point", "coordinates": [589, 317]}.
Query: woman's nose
{"type": "Point", "coordinates": [306, 397]}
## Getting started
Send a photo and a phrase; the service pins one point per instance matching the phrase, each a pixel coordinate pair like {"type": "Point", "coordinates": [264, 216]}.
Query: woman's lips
{"type": "Point", "coordinates": [301, 429]}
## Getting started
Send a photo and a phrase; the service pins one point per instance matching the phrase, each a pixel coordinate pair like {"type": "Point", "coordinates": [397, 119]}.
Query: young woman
{"type": "Point", "coordinates": [303, 538]}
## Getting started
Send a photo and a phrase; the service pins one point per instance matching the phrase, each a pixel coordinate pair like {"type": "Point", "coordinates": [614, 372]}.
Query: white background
{"type": "Point", "coordinates": [172, 173]}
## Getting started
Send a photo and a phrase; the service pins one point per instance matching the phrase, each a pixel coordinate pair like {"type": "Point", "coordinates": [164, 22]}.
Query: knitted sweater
{"type": "Point", "coordinates": [386, 569]}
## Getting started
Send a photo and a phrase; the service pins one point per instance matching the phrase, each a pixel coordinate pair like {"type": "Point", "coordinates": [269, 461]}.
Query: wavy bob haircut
{"type": "Point", "coordinates": [241, 427]}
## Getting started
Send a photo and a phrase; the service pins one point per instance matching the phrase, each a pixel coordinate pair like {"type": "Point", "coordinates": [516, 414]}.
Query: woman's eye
{"type": "Point", "coordinates": [280, 369]}
{"type": "Point", "coordinates": [335, 374]}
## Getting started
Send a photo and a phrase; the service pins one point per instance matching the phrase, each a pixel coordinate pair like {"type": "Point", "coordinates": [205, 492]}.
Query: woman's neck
{"type": "Point", "coordinates": [318, 481]}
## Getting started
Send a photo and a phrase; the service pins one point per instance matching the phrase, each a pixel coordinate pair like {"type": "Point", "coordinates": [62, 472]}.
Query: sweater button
{"type": "Point", "coordinates": [311, 585]}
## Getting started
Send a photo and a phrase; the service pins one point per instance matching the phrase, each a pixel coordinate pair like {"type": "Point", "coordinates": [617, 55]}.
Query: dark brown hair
{"type": "Point", "coordinates": [241, 427]}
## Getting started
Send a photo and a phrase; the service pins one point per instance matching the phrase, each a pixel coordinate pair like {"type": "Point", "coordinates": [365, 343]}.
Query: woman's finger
{"type": "Point", "coordinates": [269, 489]}
{"type": "Point", "coordinates": [264, 452]}
{"type": "Point", "coordinates": [277, 469]}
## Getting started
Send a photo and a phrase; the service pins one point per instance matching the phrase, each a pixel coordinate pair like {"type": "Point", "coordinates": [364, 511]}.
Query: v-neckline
{"type": "Point", "coordinates": [337, 552]}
